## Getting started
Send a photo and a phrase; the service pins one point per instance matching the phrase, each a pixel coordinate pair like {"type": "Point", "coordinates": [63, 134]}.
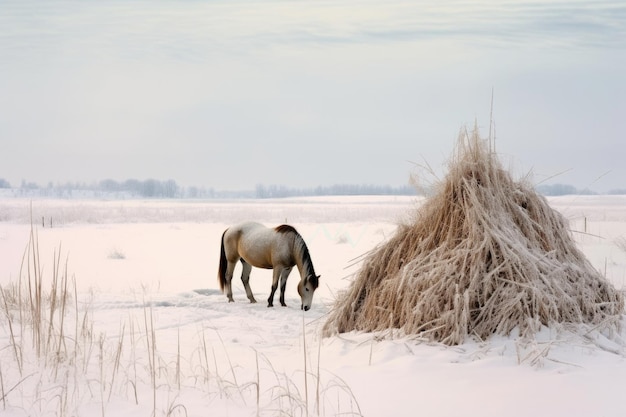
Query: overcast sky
{"type": "Point", "coordinates": [230, 94]}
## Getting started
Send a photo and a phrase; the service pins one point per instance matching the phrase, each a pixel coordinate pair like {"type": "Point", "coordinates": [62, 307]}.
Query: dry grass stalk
{"type": "Point", "coordinates": [483, 256]}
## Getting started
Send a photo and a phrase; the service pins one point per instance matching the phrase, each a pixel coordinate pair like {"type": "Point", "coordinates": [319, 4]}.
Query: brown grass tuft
{"type": "Point", "coordinates": [483, 256]}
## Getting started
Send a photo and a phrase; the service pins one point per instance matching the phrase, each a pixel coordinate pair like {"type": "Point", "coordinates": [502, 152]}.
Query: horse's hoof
{"type": "Point", "coordinates": [283, 304]}
{"type": "Point", "coordinates": [252, 301]}
{"type": "Point", "coordinates": [270, 305]}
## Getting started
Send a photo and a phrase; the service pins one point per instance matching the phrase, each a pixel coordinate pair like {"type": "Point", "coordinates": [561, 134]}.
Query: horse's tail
{"type": "Point", "coordinates": [221, 274]}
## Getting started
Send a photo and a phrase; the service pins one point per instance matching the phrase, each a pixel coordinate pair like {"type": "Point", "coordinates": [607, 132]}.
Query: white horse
{"type": "Point", "coordinates": [279, 249]}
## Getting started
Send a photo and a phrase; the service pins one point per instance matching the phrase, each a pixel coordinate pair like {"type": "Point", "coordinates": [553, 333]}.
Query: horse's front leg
{"type": "Point", "coordinates": [283, 284]}
{"type": "Point", "coordinates": [275, 278]}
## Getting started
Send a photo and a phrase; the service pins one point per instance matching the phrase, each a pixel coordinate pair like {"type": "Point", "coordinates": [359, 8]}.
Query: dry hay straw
{"type": "Point", "coordinates": [484, 255]}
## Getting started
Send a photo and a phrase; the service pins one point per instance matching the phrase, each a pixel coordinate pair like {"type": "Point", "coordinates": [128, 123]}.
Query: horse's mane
{"type": "Point", "coordinates": [302, 249]}
{"type": "Point", "coordinates": [286, 228]}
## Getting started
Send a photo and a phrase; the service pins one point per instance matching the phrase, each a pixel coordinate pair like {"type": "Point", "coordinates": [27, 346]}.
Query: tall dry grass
{"type": "Point", "coordinates": [484, 255]}
{"type": "Point", "coordinates": [58, 362]}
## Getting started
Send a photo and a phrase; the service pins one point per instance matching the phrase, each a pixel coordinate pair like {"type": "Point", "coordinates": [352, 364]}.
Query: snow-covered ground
{"type": "Point", "coordinates": [147, 332]}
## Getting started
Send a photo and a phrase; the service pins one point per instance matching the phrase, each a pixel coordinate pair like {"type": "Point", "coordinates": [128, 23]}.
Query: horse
{"type": "Point", "coordinates": [278, 248]}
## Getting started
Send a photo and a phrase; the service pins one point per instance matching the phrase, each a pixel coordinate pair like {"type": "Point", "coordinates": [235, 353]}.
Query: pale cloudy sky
{"type": "Point", "coordinates": [229, 94]}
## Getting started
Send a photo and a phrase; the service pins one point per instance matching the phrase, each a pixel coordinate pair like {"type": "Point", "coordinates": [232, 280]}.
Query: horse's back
{"type": "Point", "coordinates": [253, 231]}
{"type": "Point", "coordinates": [251, 241]}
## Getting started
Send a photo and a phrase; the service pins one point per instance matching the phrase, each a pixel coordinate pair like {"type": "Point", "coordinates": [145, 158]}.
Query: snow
{"type": "Point", "coordinates": [149, 332]}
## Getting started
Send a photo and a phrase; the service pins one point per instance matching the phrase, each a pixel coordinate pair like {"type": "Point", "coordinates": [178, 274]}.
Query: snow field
{"type": "Point", "coordinates": [149, 333]}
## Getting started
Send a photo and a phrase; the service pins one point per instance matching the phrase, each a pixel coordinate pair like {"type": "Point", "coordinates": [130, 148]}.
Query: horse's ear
{"type": "Point", "coordinates": [314, 280]}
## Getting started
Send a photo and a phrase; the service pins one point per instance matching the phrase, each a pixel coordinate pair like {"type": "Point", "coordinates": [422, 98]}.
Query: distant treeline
{"type": "Point", "coordinates": [279, 191]}
{"type": "Point", "coordinates": [565, 189]}
{"type": "Point", "coordinates": [130, 188]}
{"type": "Point", "coordinates": [152, 188]}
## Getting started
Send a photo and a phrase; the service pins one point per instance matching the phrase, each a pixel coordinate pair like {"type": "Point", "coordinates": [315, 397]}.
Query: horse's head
{"type": "Point", "coordinates": [306, 288]}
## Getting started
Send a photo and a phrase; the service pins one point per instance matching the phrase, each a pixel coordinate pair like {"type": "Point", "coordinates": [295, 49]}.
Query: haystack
{"type": "Point", "coordinates": [483, 256]}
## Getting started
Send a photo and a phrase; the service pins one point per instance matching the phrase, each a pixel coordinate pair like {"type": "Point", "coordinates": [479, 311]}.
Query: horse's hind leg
{"type": "Point", "coordinates": [245, 278]}
{"type": "Point", "coordinates": [230, 269]}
